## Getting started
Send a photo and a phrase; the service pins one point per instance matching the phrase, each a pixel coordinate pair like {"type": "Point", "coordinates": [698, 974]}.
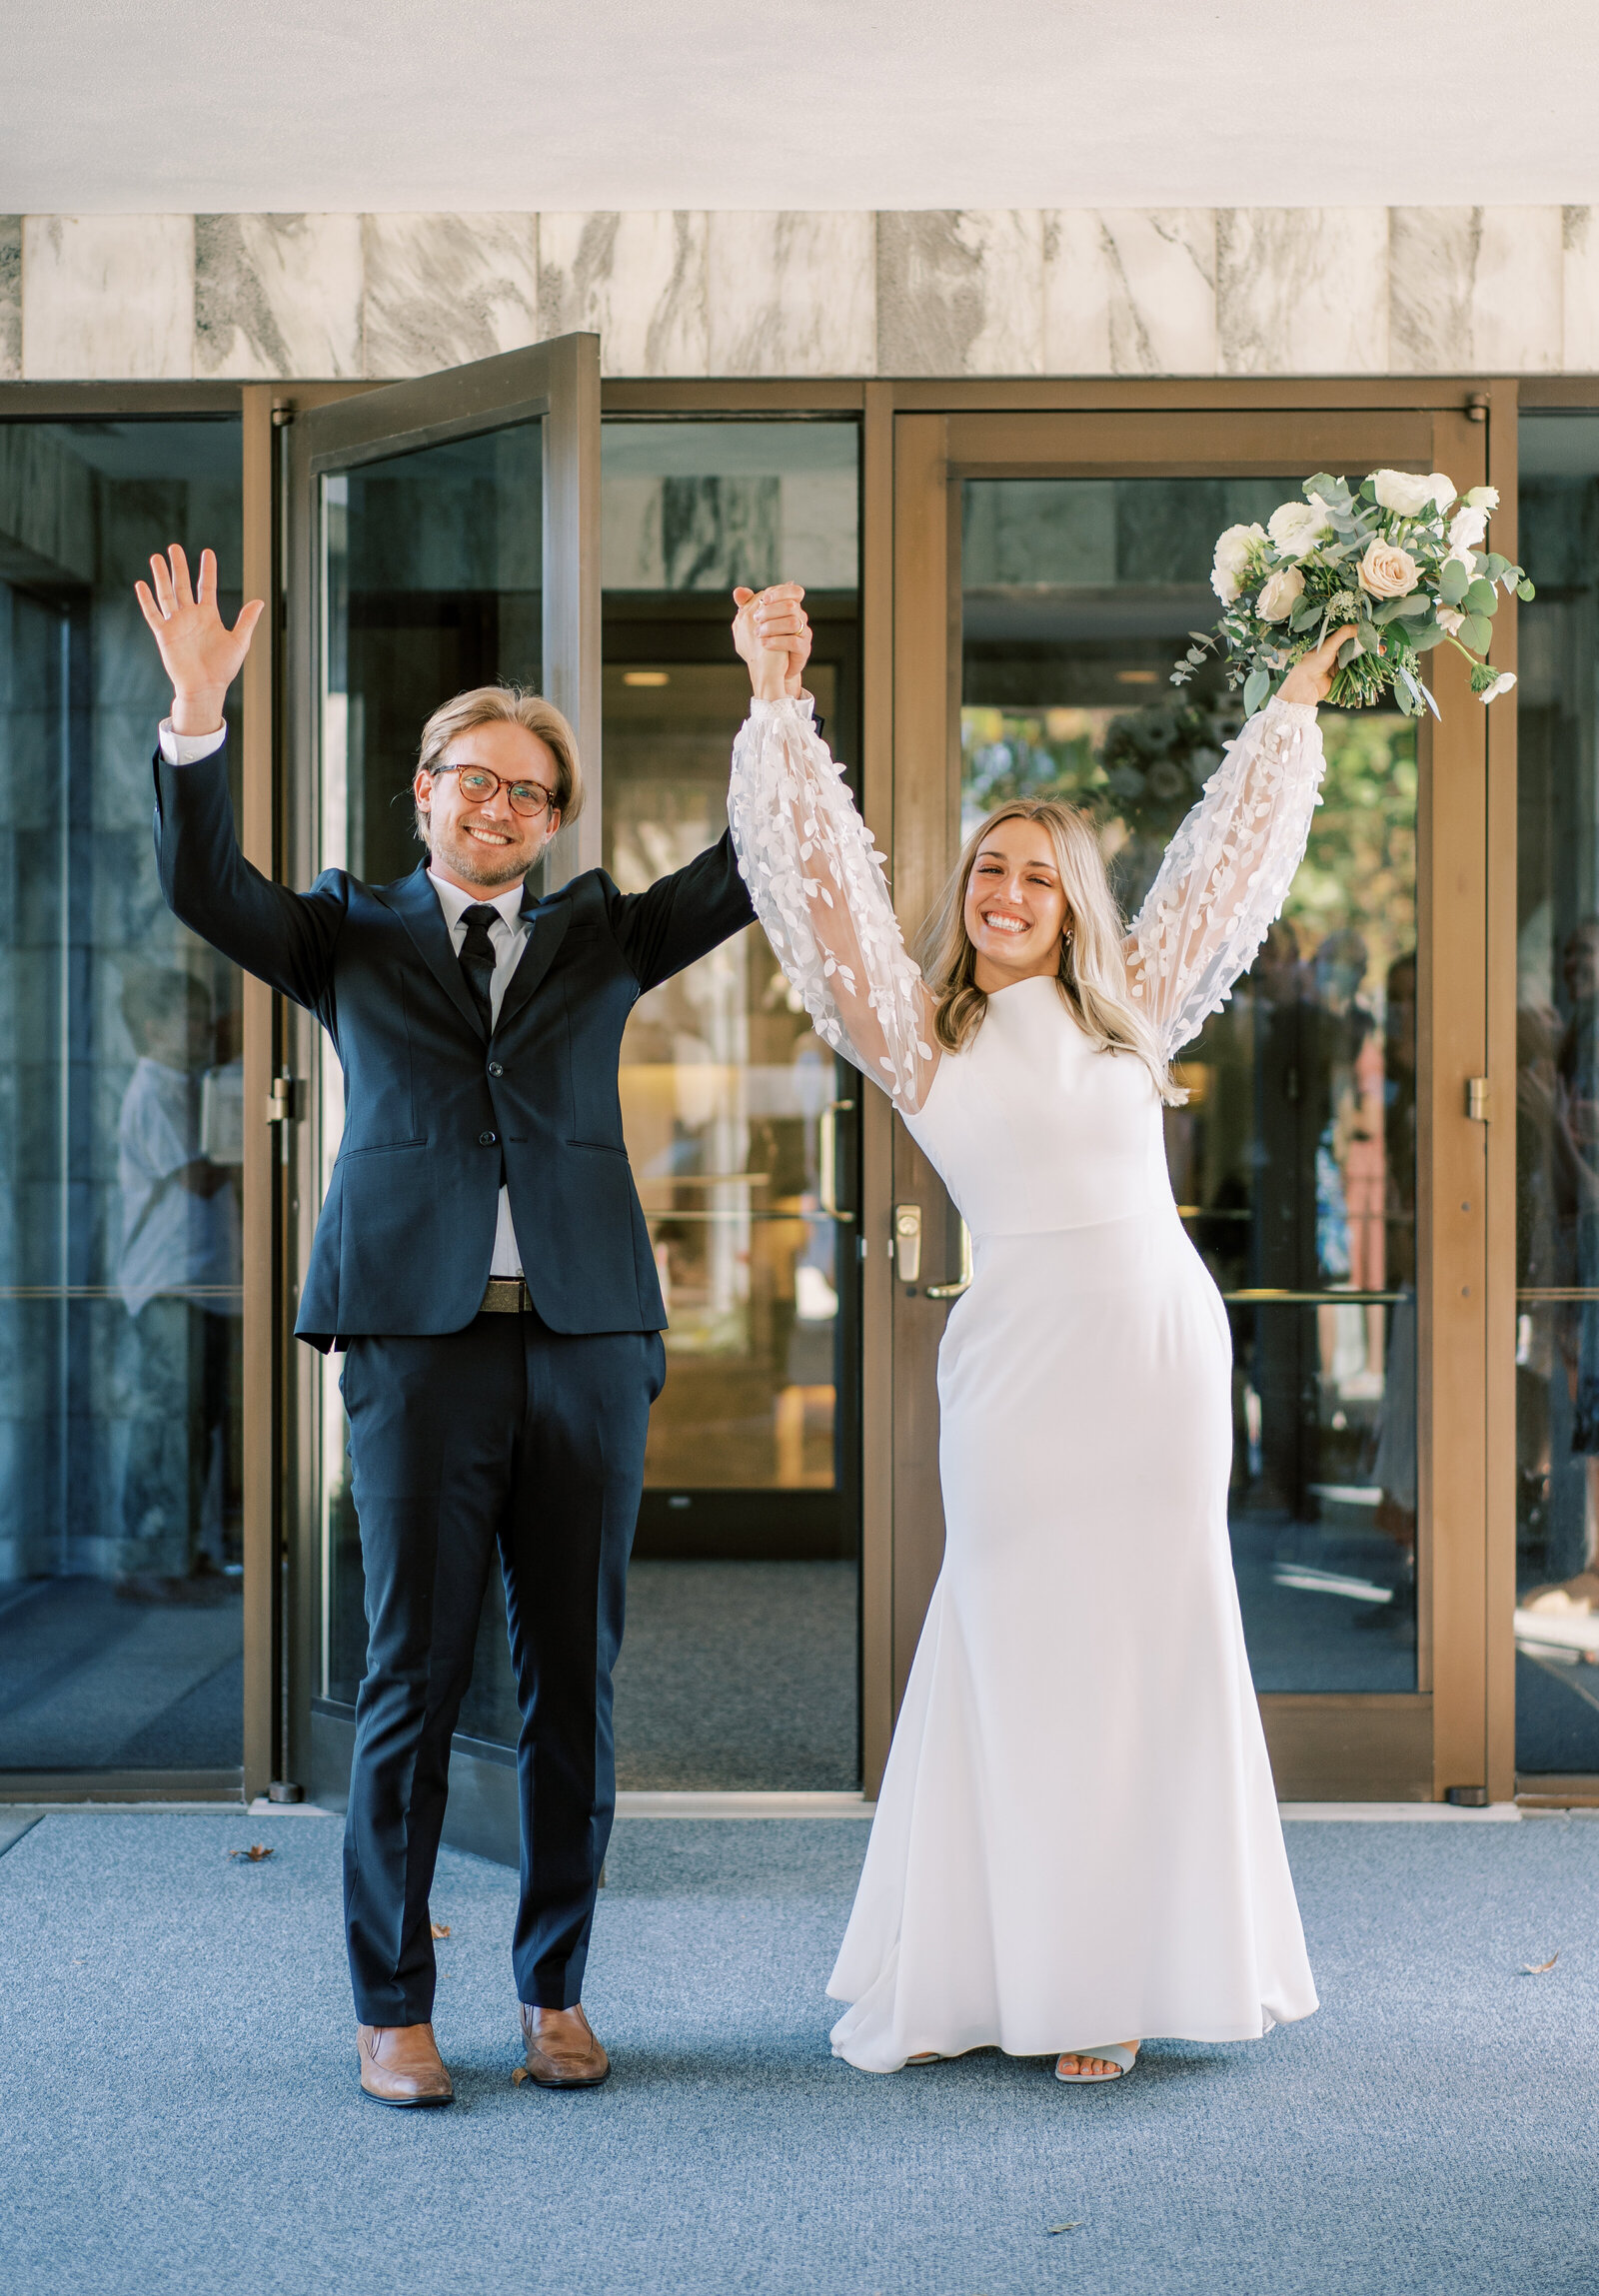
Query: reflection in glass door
{"type": "Point", "coordinates": [740, 1665]}
{"type": "Point", "coordinates": [431, 582]}
{"type": "Point", "coordinates": [1294, 1160]}
{"type": "Point", "coordinates": [121, 1141]}
{"type": "Point", "coordinates": [1557, 1104]}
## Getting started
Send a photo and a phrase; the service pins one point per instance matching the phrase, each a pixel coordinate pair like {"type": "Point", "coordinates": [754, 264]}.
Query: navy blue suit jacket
{"type": "Point", "coordinates": [406, 1235]}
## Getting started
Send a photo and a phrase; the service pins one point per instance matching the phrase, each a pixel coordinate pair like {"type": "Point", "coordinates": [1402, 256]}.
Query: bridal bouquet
{"type": "Point", "coordinates": [1398, 556]}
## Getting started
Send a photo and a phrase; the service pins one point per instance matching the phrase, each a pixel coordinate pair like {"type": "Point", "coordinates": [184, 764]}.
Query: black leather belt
{"type": "Point", "coordinates": [506, 1296]}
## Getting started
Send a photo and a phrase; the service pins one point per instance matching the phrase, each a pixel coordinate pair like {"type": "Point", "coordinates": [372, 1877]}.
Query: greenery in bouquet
{"type": "Point", "coordinates": [1399, 559]}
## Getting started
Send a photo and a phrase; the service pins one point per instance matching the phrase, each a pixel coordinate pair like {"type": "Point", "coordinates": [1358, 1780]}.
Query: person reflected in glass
{"type": "Point", "coordinates": [1568, 1116]}
{"type": "Point", "coordinates": [179, 1274]}
{"type": "Point", "coordinates": [1077, 1836]}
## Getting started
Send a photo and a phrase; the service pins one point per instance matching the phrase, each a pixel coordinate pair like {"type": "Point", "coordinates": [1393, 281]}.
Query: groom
{"type": "Point", "coordinates": [484, 1263]}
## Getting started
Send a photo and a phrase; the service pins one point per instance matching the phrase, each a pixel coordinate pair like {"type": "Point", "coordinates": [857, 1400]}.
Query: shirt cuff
{"type": "Point", "coordinates": [189, 748]}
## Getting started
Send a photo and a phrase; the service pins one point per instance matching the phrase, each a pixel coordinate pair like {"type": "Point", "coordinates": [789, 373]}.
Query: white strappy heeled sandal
{"type": "Point", "coordinates": [1109, 2052]}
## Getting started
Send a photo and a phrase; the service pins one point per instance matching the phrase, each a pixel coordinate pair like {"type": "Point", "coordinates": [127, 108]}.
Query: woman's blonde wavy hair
{"type": "Point", "coordinates": [1092, 979]}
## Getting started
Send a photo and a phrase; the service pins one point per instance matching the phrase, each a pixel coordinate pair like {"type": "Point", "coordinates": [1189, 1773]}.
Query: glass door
{"type": "Point", "coordinates": [1313, 1142]}
{"type": "Point", "coordinates": [122, 1147]}
{"type": "Point", "coordinates": [443, 534]}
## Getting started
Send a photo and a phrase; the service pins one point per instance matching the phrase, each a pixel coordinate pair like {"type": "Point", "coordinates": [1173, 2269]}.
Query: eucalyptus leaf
{"type": "Point", "coordinates": [1257, 686]}
{"type": "Point", "coordinates": [1476, 631]}
{"type": "Point", "coordinates": [1384, 613]}
{"type": "Point", "coordinates": [1481, 597]}
{"type": "Point", "coordinates": [1454, 583]}
{"type": "Point", "coordinates": [1495, 565]}
{"type": "Point", "coordinates": [1415, 605]}
{"type": "Point", "coordinates": [1426, 636]}
{"type": "Point", "coordinates": [1526, 593]}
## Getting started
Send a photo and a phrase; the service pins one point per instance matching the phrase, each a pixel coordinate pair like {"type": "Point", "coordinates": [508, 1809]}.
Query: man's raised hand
{"type": "Point", "coordinates": [201, 655]}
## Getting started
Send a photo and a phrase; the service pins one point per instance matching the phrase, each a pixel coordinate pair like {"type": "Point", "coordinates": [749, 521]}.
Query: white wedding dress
{"type": "Point", "coordinates": [1076, 1840]}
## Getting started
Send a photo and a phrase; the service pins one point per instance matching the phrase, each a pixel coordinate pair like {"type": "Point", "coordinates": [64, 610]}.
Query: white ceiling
{"type": "Point", "coordinates": [113, 105]}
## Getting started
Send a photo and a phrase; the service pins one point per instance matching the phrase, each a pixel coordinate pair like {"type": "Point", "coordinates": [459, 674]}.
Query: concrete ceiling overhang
{"type": "Point", "coordinates": [111, 106]}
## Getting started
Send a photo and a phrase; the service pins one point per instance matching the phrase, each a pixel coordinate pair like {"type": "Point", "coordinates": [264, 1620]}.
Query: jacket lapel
{"type": "Point", "coordinates": [547, 923]}
{"type": "Point", "coordinates": [416, 904]}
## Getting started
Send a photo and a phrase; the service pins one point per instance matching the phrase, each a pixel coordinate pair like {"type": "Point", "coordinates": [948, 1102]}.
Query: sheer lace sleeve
{"type": "Point", "coordinates": [818, 885]}
{"type": "Point", "coordinates": [1226, 873]}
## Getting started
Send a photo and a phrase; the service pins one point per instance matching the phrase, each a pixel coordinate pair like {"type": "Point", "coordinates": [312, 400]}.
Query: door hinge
{"type": "Point", "coordinates": [283, 1102]}
{"type": "Point", "coordinates": [1478, 1106]}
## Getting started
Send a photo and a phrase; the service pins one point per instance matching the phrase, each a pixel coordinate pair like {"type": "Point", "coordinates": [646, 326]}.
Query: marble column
{"type": "Point", "coordinates": [1303, 291]}
{"type": "Point", "coordinates": [1476, 290]}
{"type": "Point", "coordinates": [960, 290]}
{"type": "Point", "coordinates": [108, 297]}
{"type": "Point", "coordinates": [444, 289]}
{"type": "Point", "coordinates": [1129, 291]}
{"type": "Point", "coordinates": [640, 280]}
{"type": "Point", "coordinates": [278, 295]}
{"type": "Point", "coordinates": [10, 298]}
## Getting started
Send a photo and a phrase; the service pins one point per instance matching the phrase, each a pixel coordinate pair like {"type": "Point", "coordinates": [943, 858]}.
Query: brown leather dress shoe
{"type": "Point", "coordinates": [401, 2065]}
{"type": "Point", "coordinates": [562, 2050]}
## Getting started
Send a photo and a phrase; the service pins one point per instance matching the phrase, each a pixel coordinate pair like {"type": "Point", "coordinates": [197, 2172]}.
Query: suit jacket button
{"type": "Point", "coordinates": [495, 1068]}
{"type": "Point", "coordinates": [486, 1139]}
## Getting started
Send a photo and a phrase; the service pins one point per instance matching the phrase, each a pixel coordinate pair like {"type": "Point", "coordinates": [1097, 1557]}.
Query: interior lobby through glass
{"type": "Point", "coordinates": [121, 1138]}
{"type": "Point", "coordinates": [1294, 1160]}
{"type": "Point", "coordinates": [741, 1665]}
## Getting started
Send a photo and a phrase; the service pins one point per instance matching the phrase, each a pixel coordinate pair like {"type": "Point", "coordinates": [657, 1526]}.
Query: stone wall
{"type": "Point", "coordinates": [1200, 291]}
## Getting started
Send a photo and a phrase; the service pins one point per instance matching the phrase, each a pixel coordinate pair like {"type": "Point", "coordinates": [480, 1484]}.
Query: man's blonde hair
{"type": "Point", "coordinates": [505, 705]}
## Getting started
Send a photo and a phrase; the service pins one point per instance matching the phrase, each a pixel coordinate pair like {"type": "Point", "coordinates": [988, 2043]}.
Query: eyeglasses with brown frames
{"type": "Point", "coordinates": [478, 786]}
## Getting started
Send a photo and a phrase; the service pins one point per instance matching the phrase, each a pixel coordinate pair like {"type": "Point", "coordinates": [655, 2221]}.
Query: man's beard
{"type": "Point", "coordinates": [482, 865]}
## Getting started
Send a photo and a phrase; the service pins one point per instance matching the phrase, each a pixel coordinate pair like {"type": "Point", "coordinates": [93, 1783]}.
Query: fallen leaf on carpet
{"type": "Point", "coordinates": [440, 1928]}
{"type": "Point", "coordinates": [1071, 2228]}
{"type": "Point", "coordinates": [254, 1854]}
{"type": "Point", "coordinates": [1539, 1968]}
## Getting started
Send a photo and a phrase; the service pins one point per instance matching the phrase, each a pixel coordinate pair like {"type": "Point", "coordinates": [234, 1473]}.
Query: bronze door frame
{"type": "Point", "coordinates": [1456, 1729]}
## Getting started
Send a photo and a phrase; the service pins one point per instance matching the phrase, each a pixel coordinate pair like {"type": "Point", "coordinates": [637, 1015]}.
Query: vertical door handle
{"type": "Point", "coordinates": [908, 1242]}
{"type": "Point", "coordinates": [827, 1157]}
{"type": "Point", "coordinates": [964, 1280]}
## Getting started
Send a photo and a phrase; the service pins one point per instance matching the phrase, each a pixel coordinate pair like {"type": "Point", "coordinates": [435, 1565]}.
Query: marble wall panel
{"type": "Point", "coordinates": [1579, 291]}
{"type": "Point", "coordinates": [444, 289]}
{"type": "Point", "coordinates": [10, 298]}
{"type": "Point", "coordinates": [1476, 288]}
{"type": "Point", "coordinates": [107, 297]}
{"type": "Point", "coordinates": [640, 280]}
{"type": "Point", "coordinates": [961, 292]}
{"type": "Point", "coordinates": [1129, 291]}
{"type": "Point", "coordinates": [1303, 291]}
{"type": "Point", "coordinates": [278, 295]}
{"type": "Point", "coordinates": [791, 293]}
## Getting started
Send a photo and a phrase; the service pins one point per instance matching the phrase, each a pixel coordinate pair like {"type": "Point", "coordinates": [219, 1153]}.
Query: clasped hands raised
{"type": "Point", "coordinates": [773, 634]}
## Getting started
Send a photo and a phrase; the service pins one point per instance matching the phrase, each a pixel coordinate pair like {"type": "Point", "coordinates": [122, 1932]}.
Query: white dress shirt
{"type": "Point", "coordinates": [509, 934]}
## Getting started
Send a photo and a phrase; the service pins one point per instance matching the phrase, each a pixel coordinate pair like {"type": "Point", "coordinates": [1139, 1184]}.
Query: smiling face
{"type": "Point", "coordinates": [487, 847]}
{"type": "Point", "coordinates": [1015, 911]}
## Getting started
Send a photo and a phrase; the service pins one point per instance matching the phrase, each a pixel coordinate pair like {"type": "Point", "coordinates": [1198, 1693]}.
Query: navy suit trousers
{"type": "Point", "coordinates": [503, 1436]}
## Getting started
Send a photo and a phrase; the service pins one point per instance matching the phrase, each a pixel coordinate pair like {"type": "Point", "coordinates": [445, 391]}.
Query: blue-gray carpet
{"type": "Point", "coordinates": [180, 2109]}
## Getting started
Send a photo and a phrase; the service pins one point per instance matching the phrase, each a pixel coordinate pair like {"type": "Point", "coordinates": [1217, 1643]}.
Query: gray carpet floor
{"type": "Point", "coordinates": [180, 2109]}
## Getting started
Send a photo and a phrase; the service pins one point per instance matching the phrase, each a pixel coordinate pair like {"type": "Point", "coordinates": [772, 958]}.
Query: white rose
{"type": "Point", "coordinates": [1501, 684]}
{"type": "Point", "coordinates": [1296, 528]}
{"type": "Point", "coordinates": [1449, 619]}
{"type": "Point", "coordinates": [1386, 570]}
{"type": "Point", "coordinates": [1403, 491]}
{"type": "Point", "coordinates": [1443, 490]}
{"type": "Point", "coordinates": [1232, 556]}
{"type": "Point", "coordinates": [1466, 530]}
{"type": "Point", "coordinates": [1280, 594]}
{"type": "Point", "coordinates": [1483, 498]}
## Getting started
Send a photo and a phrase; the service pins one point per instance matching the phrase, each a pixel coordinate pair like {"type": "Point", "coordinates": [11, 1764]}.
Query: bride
{"type": "Point", "coordinates": [1077, 1836]}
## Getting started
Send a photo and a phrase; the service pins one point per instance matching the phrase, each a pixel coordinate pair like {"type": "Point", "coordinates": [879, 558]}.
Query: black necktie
{"type": "Point", "coordinates": [477, 959]}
